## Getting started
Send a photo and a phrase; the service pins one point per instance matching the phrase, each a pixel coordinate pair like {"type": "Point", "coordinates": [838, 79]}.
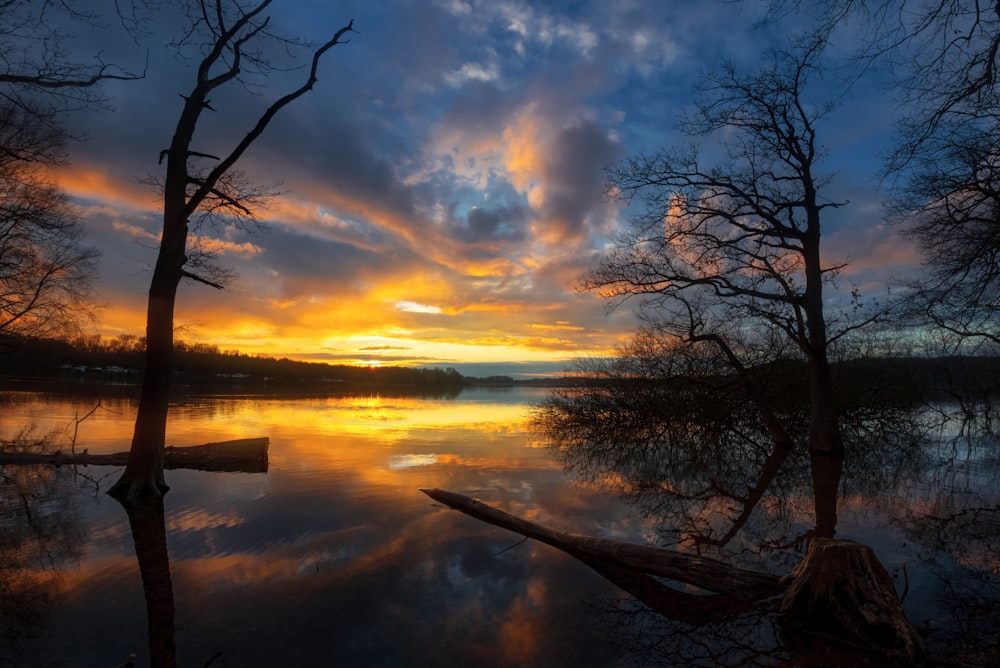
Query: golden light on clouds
{"type": "Point", "coordinates": [410, 286]}
{"type": "Point", "coordinates": [135, 232]}
{"type": "Point", "coordinates": [521, 154]}
{"type": "Point", "coordinates": [413, 307]}
{"type": "Point", "coordinates": [222, 247]}
{"type": "Point", "coordinates": [95, 184]}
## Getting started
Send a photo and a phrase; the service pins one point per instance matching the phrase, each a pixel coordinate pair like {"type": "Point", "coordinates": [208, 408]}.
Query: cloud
{"type": "Point", "coordinates": [222, 247]}
{"type": "Point", "coordinates": [472, 72]}
{"type": "Point", "coordinates": [413, 307]}
{"type": "Point", "coordinates": [136, 232]}
{"type": "Point", "coordinates": [443, 184]}
{"type": "Point", "coordinates": [574, 196]}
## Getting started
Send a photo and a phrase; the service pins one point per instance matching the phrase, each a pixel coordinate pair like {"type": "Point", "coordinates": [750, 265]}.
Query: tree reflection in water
{"type": "Point", "coordinates": [955, 523]}
{"type": "Point", "coordinates": [693, 456]}
{"type": "Point", "coordinates": [42, 538]}
{"type": "Point", "coordinates": [149, 533]}
{"type": "Point", "coordinates": [40, 534]}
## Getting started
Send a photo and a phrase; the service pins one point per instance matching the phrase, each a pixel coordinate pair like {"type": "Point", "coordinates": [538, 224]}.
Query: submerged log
{"type": "Point", "coordinates": [703, 572]}
{"type": "Point", "coordinates": [672, 603]}
{"type": "Point", "coordinates": [841, 592]}
{"type": "Point", "coordinates": [839, 601]}
{"type": "Point", "coordinates": [244, 455]}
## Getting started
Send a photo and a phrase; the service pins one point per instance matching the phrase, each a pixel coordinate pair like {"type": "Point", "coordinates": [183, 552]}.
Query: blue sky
{"type": "Point", "coordinates": [443, 184]}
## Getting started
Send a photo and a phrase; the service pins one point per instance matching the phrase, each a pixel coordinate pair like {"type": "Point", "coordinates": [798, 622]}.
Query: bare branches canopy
{"type": "Point", "coordinates": [46, 269]}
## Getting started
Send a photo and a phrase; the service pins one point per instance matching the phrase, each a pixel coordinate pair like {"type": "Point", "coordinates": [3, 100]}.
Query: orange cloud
{"type": "Point", "coordinates": [222, 247]}
{"type": "Point", "coordinates": [91, 183]}
{"type": "Point", "coordinates": [521, 153]}
{"type": "Point", "coordinates": [519, 633]}
{"type": "Point", "coordinates": [136, 232]}
{"type": "Point", "coordinates": [443, 303]}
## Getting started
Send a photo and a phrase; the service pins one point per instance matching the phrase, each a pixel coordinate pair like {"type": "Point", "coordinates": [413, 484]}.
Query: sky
{"type": "Point", "coordinates": [443, 185]}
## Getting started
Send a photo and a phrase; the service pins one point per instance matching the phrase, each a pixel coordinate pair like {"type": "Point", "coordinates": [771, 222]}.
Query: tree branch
{"type": "Point", "coordinates": [194, 277]}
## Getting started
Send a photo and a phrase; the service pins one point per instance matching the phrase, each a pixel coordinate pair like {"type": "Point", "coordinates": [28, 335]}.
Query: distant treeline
{"type": "Point", "coordinates": [868, 381]}
{"type": "Point", "coordinates": [121, 360]}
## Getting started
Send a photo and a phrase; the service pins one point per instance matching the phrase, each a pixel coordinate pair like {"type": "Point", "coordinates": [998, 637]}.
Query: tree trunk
{"type": "Point", "coordinates": [143, 475]}
{"type": "Point", "coordinates": [824, 419]}
{"type": "Point", "coordinates": [827, 469]}
{"type": "Point", "coordinates": [838, 602]}
{"type": "Point", "coordinates": [826, 445]}
{"type": "Point", "coordinates": [671, 603]}
{"type": "Point", "coordinates": [841, 593]}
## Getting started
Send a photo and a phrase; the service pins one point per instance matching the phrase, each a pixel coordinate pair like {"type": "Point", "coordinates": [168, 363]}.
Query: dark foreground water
{"type": "Point", "coordinates": [334, 558]}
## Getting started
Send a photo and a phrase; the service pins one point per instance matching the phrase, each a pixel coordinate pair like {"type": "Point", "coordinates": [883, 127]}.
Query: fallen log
{"type": "Point", "coordinates": [672, 603]}
{"type": "Point", "coordinates": [243, 455]}
{"type": "Point", "coordinates": [703, 572]}
{"type": "Point", "coordinates": [838, 596]}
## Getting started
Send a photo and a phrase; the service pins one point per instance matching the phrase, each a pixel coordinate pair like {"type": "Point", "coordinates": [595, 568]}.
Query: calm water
{"type": "Point", "coordinates": [333, 557]}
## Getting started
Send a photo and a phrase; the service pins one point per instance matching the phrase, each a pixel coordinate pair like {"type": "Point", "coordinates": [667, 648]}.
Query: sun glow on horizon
{"type": "Point", "coordinates": [347, 279]}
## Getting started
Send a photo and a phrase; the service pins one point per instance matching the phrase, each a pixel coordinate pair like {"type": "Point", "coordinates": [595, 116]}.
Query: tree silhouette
{"type": "Point", "coordinates": [944, 170]}
{"type": "Point", "coordinates": [728, 259]}
{"type": "Point", "coordinates": [194, 193]}
{"type": "Point", "coordinates": [46, 269]}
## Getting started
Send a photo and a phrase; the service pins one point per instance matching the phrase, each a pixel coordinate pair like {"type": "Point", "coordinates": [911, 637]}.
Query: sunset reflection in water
{"type": "Point", "coordinates": [334, 557]}
{"type": "Point", "coordinates": [333, 554]}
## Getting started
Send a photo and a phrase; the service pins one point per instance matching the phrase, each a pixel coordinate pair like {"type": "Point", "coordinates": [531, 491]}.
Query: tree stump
{"type": "Point", "coordinates": [840, 593]}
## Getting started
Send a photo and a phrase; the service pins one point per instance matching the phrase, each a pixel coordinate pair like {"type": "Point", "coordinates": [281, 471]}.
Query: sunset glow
{"type": "Point", "coordinates": [445, 213]}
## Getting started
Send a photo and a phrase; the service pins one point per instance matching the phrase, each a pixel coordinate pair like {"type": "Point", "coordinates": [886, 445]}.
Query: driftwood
{"type": "Point", "coordinates": [838, 596]}
{"type": "Point", "coordinates": [244, 455]}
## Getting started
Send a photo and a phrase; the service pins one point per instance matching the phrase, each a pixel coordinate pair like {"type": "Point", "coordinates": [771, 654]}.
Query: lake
{"type": "Point", "coordinates": [334, 557]}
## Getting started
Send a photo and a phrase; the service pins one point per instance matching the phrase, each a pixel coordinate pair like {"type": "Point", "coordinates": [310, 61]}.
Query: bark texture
{"type": "Point", "coordinates": [841, 592]}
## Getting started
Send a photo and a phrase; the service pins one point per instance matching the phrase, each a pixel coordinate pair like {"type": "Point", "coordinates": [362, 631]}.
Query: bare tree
{"type": "Point", "coordinates": [948, 167]}
{"type": "Point", "coordinates": [232, 37]}
{"type": "Point", "coordinates": [944, 56]}
{"type": "Point", "coordinates": [725, 261]}
{"type": "Point", "coordinates": [951, 207]}
{"type": "Point", "coordinates": [46, 269]}
{"type": "Point", "coordinates": [41, 78]}
{"type": "Point", "coordinates": [729, 258]}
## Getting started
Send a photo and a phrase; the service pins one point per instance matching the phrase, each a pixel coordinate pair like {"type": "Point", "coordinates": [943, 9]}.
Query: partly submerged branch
{"type": "Point", "coordinates": [709, 574]}
{"type": "Point", "coordinates": [244, 455]}
{"type": "Point", "coordinates": [839, 595]}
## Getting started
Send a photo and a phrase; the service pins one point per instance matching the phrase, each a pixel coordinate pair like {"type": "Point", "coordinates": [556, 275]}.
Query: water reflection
{"type": "Point", "coordinates": [150, 538]}
{"type": "Point", "coordinates": [702, 470]}
{"type": "Point", "coordinates": [41, 534]}
{"type": "Point", "coordinates": [334, 557]}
